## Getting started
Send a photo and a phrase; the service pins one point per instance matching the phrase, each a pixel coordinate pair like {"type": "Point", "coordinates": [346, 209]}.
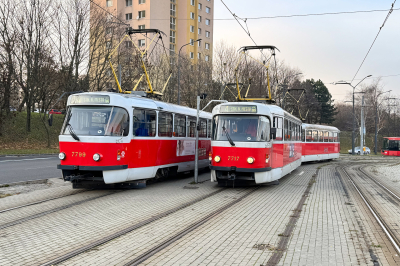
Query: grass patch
{"type": "Point", "coordinates": [15, 139]}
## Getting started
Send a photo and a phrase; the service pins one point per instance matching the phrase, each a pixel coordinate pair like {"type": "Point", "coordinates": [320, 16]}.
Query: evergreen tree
{"type": "Point", "coordinates": [324, 98]}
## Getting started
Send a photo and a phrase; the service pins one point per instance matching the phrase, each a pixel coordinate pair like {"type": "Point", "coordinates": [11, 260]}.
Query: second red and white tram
{"type": "Point", "coordinates": [262, 143]}
{"type": "Point", "coordinates": [121, 138]}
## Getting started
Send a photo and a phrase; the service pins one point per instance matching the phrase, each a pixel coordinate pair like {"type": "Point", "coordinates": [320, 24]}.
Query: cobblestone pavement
{"type": "Point", "coordinates": [333, 228]}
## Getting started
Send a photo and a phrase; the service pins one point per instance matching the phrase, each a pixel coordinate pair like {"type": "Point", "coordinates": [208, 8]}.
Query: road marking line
{"type": "Point", "coordinates": [302, 172]}
{"type": "Point", "coordinates": [27, 159]}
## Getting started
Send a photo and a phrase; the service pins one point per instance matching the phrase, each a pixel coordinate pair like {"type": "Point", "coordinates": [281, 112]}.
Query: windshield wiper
{"type": "Point", "coordinates": [227, 136]}
{"type": "Point", "coordinates": [70, 129]}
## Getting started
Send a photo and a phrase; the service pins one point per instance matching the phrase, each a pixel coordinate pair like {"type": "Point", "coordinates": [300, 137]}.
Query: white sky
{"type": "Point", "coordinates": [330, 47]}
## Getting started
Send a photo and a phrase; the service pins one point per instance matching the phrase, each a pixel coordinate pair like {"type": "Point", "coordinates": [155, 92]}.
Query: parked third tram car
{"type": "Point", "coordinates": [121, 138]}
{"type": "Point", "coordinates": [391, 146]}
{"type": "Point", "coordinates": [262, 143]}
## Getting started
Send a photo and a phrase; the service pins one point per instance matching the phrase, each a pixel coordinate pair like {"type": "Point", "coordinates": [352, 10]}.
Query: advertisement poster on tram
{"type": "Point", "coordinates": [185, 147]}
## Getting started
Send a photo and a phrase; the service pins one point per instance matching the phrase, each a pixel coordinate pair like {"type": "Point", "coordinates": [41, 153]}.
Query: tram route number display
{"type": "Point", "coordinates": [90, 99]}
{"type": "Point", "coordinates": [238, 109]}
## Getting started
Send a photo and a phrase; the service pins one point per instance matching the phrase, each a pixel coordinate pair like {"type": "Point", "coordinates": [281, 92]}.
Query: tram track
{"type": "Point", "coordinates": [37, 215]}
{"type": "Point", "coordinates": [136, 226]}
{"type": "Point", "coordinates": [389, 232]}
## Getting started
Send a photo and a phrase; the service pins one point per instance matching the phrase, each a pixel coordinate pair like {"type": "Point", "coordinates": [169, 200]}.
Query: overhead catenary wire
{"type": "Point", "coordinates": [376, 37]}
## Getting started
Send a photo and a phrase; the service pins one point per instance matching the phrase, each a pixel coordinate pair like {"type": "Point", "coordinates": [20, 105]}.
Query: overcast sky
{"type": "Point", "coordinates": [330, 47]}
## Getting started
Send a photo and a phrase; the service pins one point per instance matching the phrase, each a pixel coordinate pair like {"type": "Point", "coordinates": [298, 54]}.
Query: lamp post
{"type": "Point", "coordinates": [376, 120]}
{"type": "Point", "coordinates": [284, 85]}
{"type": "Point", "coordinates": [354, 121]}
{"type": "Point", "coordinates": [179, 69]}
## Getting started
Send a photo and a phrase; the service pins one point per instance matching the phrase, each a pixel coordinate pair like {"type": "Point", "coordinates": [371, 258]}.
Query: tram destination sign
{"type": "Point", "coordinates": [238, 109]}
{"type": "Point", "coordinates": [90, 99]}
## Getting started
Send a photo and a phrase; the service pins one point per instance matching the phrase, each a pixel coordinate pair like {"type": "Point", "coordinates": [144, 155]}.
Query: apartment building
{"type": "Point", "coordinates": [183, 21]}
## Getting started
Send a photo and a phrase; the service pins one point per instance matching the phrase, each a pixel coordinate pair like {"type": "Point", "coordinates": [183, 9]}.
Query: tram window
{"type": "Point", "coordinates": [203, 128]}
{"type": "Point", "coordinates": [320, 136]}
{"type": "Point", "coordinates": [308, 137]}
{"type": "Point", "coordinates": [164, 124]}
{"type": "Point", "coordinates": [330, 136]}
{"type": "Point", "coordinates": [326, 136]}
{"type": "Point", "coordinates": [279, 129]}
{"type": "Point", "coordinates": [208, 128]}
{"type": "Point", "coordinates": [180, 125]}
{"type": "Point", "coordinates": [285, 129]}
{"type": "Point", "coordinates": [192, 127]}
{"type": "Point", "coordinates": [315, 135]}
{"type": "Point", "coordinates": [144, 123]}
{"type": "Point", "coordinates": [264, 129]}
{"type": "Point", "coordinates": [338, 137]}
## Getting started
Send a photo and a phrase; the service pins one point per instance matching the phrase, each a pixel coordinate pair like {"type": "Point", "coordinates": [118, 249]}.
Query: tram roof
{"type": "Point", "coordinates": [130, 100]}
{"type": "Point", "coordinates": [319, 127]}
{"type": "Point", "coordinates": [262, 109]}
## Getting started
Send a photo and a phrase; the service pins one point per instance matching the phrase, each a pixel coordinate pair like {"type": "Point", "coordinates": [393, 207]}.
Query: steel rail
{"type": "Point", "coordinates": [41, 201]}
{"type": "Point", "coordinates": [377, 182]}
{"type": "Point", "coordinates": [129, 229]}
{"type": "Point", "coordinates": [395, 242]}
{"type": "Point", "coordinates": [151, 252]}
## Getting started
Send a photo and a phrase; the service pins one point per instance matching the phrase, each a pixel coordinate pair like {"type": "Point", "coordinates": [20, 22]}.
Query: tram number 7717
{"type": "Point", "coordinates": [233, 158]}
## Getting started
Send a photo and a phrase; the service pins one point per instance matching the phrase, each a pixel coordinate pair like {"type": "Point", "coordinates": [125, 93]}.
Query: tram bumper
{"type": "Point", "coordinates": [258, 175]}
{"type": "Point", "coordinates": [106, 174]}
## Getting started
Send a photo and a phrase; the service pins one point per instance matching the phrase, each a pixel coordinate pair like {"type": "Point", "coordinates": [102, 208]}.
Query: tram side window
{"type": "Point", "coordinates": [180, 125]}
{"type": "Point", "coordinates": [309, 136]}
{"type": "Point", "coordinates": [208, 128]}
{"type": "Point", "coordinates": [144, 123]}
{"type": "Point", "coordinates": [315, 135]}
{"type": "Point", "coordinates": [164, 124]}
{"type": "Point", "coordinates": [286, 129]}
{"type": "Point", "coordinates": [203, 128]}
{"type": "Point", "coordinates": [277, 123]}
{"type": "Point", "coordinates": [320, 136]}
{"type": "Point", "coordinates": [326, 136]}
{"type": "Point", "coordinates": [330, 136]}
{"type": "Point", "coordinates": [334, 137]}
{"type": "Point", "coordinates": [192, 127]}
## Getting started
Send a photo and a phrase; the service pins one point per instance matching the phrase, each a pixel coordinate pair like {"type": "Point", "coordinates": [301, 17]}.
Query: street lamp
{"type": "Point", "coordinates": [354, 122]}
{"type": "Point", "coordinates": [284, 85]}
{"type": "Point", "coordinates": [179, 69]}
{"type": "Point", "coordinates": [376, 120]}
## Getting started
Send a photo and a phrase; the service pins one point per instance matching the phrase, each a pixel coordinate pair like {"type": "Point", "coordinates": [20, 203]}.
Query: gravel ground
{"type": "Point", "coordinates": [391, 171]}
{"type": "Point", "coordinates": [12, 190]}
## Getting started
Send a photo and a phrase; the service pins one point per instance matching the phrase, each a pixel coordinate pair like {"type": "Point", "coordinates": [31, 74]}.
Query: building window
{"type": "Point", "coordinates": [198, 55]}
{"type": "Point", "coordinates": [191, 28]}
{"type": "Point", "coordinates": [208, 10]}
{"type": "Point", "coordinates": [172, 11]}
{"type": "Point", "coordinates": [142, 1]}
{"type": "Point", "coordinates": [207, 46]}
{"type": "Point", "coordinates": [172, 36]}
{"type": "Point", "coordinates": [191, 42]}
{"type": "Point", "coordinates": [191, 15]}
{"type": "Point", "coordinates": [200, 6]}
{"type": "Point", "coordinates": [142, 43]}
{"type": "Point", "coordinates": [199, 43]}
{"type": "Point", "coordinates": [207, 34]}
{"type": "Point", "coordinates": [128, 16]}
{"type": "Point", "coordinates": [128, 44]}
{"type": "Point", "coordinates": [142, 27]}
{"type": "Point", "coordinates": [142, 14]}
{"type": "Point", "coordinates": [172, 49]}
{"type": "Point", "coordinates": [191, 55]}
{"type": "Point", "coordinates": [172, 23]}
{"type": "Point", "coordinates": [207, 58]}
{"type": "Point", "coordinates": [207, 22]}
{"type": "Point", "coordinates": [109, 3]}
{"type": "Point", "coordinates": [199, 19]}
{"type": "Point", "coordinates": [199, 31]}
{"type": "Point", "coordinates": [108, 45]}
{"type": "Point", "coordinates": [109, 30]}
{"type": "Point", "coordinates": [128, 2]}
{"type": "Point", "coordinates": [192, 2]}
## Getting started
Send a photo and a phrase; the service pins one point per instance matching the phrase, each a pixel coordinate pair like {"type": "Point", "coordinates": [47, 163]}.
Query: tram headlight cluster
{"type": "Point", "coordinates": [250, 160]}
{"type": "Point", "coordinates": [217, 159]}
{"type": "Point", "coordinates": [96, 157]}
{"type": "Point", "coordinates": [61, 156]}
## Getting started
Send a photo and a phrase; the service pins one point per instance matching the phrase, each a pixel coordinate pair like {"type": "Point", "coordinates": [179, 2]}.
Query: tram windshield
{"type": "Point", "coordinates": [391, 145]}
{"type": "Point", "coordinates": [96, 121]}
{"type": "Point", "coordinates": [241, 128]}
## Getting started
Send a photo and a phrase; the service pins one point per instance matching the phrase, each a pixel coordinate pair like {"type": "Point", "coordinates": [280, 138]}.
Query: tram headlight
{"type": "Point", "coordinates": [250, 160]}
{"type": "Point", "coordinates": [61, 156]}
{"type": "Point", "coordinates": [217, 159]}
{"type": "Point", "coordinates": [96, 157]}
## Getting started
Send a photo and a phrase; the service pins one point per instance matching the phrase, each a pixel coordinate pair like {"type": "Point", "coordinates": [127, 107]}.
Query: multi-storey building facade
{"type": "Point", "coordinates": [183, 21]}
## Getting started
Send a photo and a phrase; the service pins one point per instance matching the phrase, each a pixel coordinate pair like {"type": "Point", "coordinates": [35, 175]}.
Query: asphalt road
{"type": "Point", "coordinates": [24, 168]}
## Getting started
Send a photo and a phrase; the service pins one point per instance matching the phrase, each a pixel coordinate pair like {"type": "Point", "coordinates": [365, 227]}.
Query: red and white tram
{"type": "Point", "coordinates": [123, 138]}
{"type": "Point", "coordinates": [320, 143]}
{"type": "Point", "coordinates": [254, 141]}
{"type": "Point", "coordinates": [262, 143]}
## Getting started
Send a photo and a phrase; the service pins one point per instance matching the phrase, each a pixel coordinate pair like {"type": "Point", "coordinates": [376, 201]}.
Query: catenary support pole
{"type": "Point", "coordinates": [196, 155]}
{"type": "Point", "coordinates": [362, 127]}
